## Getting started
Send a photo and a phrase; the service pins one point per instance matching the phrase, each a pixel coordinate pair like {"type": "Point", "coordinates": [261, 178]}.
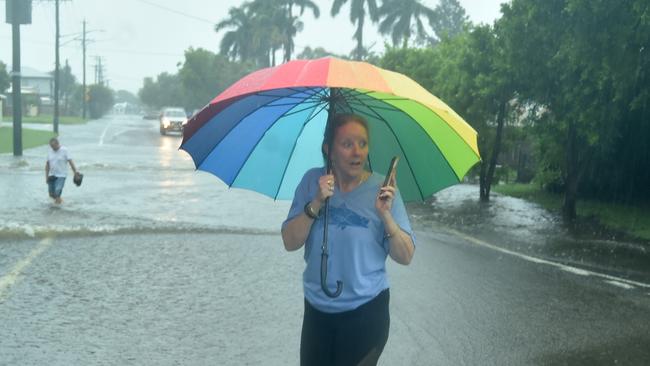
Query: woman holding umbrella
{"type": "Point", "coordinates": [368, 222]}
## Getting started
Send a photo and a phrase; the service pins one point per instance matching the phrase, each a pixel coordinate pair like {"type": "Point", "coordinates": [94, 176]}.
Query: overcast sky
{"type": "Point", "coordinates": [139, 38]}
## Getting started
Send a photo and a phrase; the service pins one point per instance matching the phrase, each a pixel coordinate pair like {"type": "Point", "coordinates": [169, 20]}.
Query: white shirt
{"type": "Point", "coordinates": [58, 162]}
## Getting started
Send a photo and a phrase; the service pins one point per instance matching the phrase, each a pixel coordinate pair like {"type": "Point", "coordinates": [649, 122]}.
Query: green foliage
{"type": "Point", "coordinates": [100, 101]}
{"type": "Point", "coordinates": [449, 20]}
{"type": "Point", "coordinates": [201, 77]}
{"type": "Point", "coordinates": [4, 77]}
{"type": "Point", "coordinates": [319, 52]}
{"type": "Point", "coordinates": [166, 90]}
{"type": "Point", "coordinates": [586, 62]}
{"type": "Point", "coordinates": [204, 75]}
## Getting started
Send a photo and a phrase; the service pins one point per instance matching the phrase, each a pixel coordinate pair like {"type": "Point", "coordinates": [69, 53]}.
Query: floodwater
{"type": "Point", "coordinates": [152, 263]}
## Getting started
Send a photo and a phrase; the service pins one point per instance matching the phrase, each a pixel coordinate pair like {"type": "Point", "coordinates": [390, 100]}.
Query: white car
{"type": "Point", "coordinates": [172, 119]}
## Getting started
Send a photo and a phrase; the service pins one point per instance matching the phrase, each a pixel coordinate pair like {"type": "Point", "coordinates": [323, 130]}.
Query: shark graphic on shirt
{"type": "Point", "coordinates": [343, 217]}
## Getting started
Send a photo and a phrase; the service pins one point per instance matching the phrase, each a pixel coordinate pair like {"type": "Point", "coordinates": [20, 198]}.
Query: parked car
{"type": "Point", "coordinates": [172, 119]}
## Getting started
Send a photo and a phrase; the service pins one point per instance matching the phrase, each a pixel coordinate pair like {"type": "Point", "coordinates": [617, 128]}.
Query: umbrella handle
{"type": "Point", "coordinates": [323, 279]}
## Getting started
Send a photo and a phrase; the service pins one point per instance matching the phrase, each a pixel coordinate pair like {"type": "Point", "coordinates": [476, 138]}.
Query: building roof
{"type": "Point", "coordinates": [28, 72]}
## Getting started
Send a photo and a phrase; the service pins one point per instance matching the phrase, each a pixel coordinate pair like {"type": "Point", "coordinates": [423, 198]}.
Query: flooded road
{"type": "Point", "coordinates": [152, 263]}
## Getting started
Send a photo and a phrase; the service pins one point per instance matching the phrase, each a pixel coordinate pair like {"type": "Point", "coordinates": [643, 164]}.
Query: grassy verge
{"type": "Point", "coordinates": [47, 119]}
{"type": "Point", "coordinates": [632, 220]}
{"type": "Point", "coordinates": [31, 138]}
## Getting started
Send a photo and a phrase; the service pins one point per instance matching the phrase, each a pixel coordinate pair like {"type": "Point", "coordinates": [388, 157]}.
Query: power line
{"type": "Point", "coordinates": [177, 12]}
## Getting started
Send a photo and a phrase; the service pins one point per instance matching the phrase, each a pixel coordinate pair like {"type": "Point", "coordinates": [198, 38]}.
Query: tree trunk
{"type": "Point", "coordinates": [486, 182]}
{"type": "Point", "coordinates": [484, 192]}
{"type": "Point", "coordinates": [572, 174]}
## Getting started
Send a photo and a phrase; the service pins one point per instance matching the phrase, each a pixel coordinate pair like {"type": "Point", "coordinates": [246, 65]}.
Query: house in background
{"type": "Point", "coordinates": [37, 90]}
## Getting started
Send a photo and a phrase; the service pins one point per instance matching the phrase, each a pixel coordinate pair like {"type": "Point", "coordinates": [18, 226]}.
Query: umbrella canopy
{"type": "Point", "coordinates": [265, 131]}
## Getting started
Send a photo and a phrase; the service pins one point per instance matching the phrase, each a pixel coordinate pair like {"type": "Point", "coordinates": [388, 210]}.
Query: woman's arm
{"type": "Point", "coordinates": [401, 244]}
{"type": "Point", "coordinates": [295, 232]}
{"type": "Point", "coordinates": [401, 247]}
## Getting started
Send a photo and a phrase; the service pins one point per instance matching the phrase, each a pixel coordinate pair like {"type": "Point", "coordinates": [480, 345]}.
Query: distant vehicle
{"type": "Point", "coordinates": [151, 114]}
{"type": "Point", "coordinates": [172, 119]}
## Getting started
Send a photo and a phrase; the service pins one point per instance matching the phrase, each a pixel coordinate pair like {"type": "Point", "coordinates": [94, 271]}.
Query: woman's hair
{"type": "Point", "coordinates": [336, 122]}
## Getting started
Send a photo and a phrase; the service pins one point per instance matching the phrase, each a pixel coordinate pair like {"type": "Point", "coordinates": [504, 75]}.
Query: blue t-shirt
{"type": "Point", "coordinates": [356, 243]}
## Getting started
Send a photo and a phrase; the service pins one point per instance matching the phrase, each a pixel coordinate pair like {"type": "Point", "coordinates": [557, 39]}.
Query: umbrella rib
{"type": "Point", "coordinates": [300, 110]}
{"type": "Point", "coordinates": [286, 104]}
{"type": "Point", "coordinates": [411, 118]}
{"type": "Point", "coordinates": [284, 172]}
{"type": "Point", "coordinates": [258, 141]}
{"type": "Point", "coordinates": [368, 92]}
{"type": "Point", "coordinates": [295, 90]}
{"type": "Point", "coordinates": [240, 119]}
{"type": "Point", "coordinates": [397, 98]}
{"type": "Point", "coordinates": [379, 117]}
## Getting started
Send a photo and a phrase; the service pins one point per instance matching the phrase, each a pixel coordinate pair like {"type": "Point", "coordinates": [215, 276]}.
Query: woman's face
{"type": "Point", "coordinates": [350, 149]}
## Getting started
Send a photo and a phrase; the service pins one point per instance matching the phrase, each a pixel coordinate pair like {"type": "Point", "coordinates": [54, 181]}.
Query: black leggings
{"type": "Point", "coordinates": [355, 337]}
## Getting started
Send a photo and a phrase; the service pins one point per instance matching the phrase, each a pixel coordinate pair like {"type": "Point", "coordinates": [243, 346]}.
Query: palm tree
{"type": "Point", "coordinates": [358, 17]}
{"type": "Point", "coordinates": [237, 43]}
{"type": "Point", "coordinates": [399, 18]}
{"type": "Point", "coordinates": [292, 25]}
{"type": "Point", "coordinates": [269, 33]}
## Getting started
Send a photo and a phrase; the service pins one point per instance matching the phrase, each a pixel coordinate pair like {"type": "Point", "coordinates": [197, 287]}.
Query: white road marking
{"type": "Point", "coordinates": [101, 138]}
{"type": "Point", "coordinates": [621, 282]}
{"type": "Point", "coordinates": [10, 278]}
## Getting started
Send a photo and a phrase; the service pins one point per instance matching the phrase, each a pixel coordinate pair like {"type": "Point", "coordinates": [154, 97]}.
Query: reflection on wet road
{"type": "Point", "coordinates": [152, 263]}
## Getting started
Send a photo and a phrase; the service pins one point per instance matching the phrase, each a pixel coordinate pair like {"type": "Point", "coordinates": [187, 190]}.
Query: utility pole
{"type": "Point", "coordinates": [56, 70]}
{"type": "Point", "coordinates": [99, 71]}
{"type": "Point", "coordinates": [83, 46]}
{"type": "Point", "coordinates": [17, 12]}
{"type": "Point", "coordinates": [84, 42]}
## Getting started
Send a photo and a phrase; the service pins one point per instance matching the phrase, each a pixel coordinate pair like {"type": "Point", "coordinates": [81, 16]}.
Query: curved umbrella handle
{"type": "Point", "coordinates": [323, 278]}
{"type": "Point", "coordinates": [325, 252]}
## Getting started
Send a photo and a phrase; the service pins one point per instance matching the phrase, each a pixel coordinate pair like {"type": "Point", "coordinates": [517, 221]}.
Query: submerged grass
{"type": "Point", "coordinates": [633, 220]}
{"type": "Point", "coordinates": [31, 138]}
{"type": "Point", "coordinates": [48, 119]}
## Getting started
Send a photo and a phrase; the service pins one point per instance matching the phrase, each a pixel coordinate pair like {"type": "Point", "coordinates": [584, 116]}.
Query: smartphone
{"type": "Point", "coordinates": [391, 169]}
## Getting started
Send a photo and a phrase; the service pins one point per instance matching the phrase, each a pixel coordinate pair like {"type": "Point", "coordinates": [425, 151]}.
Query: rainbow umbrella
{"type": "Point", "coordinates": [265, 131]}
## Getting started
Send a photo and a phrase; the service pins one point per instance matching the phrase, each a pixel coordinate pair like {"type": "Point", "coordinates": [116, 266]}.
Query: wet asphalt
{"type": "Point", "coordinates": [128, 272]}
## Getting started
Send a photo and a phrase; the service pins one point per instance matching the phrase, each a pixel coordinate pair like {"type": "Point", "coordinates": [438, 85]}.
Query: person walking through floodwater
{"type": "Point", "coordinates": [56, 169]}
{"type": "Point", "coordinates": [368, 223]}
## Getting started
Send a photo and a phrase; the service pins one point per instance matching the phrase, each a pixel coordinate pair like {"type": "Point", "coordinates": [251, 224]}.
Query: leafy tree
{"type": "Point", "coordinates": [204, 75]}
{"type": "Point", "coordinates": [400, 17]}
{"type": "Point", "coordinates": [126, 96]}
{"type": "Point", "coordinates": [584, 62]}
{"type": "Point", "coordinates": [67, 87]}
{"type": "Point", "coordinates": [4, 77]}
{"type": "Point", "coordinates": [319, 52]}
{"type": "Point", "coordinates": [166, 90]}
{"type": "Point", "coordinates": [358, 16]}
{"type": "Point", "coordinates": [101, 100]}
{"type": "Point", "coordinates": [449, 20]}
